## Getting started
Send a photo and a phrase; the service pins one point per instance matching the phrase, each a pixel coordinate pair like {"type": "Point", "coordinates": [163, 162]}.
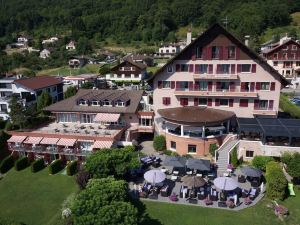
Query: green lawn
{"type": "Point", "coordinates": [66, 71]}
{"type": "Point", "coordinates": [171, 214]}
{"type": "Point", "coordinates": [34, 198]}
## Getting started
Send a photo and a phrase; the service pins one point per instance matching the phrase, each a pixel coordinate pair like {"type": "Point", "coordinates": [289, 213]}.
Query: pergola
{"type": "Point", "coordinates": [270, 127]}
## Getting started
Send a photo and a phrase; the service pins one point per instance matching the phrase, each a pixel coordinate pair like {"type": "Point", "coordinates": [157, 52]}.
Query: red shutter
{"type": "Point", "coordinates": [159, 84]}
{"type": "Point", "coordinates": [257, 86]}
{"type": "Point", "coordinates": [196, 102]}
{"type": "Point", "coordinates": [231, 102]}
{"type": "Point", "coordinates": [210, 69]}
{"type": "Point", "coordinates": [177, 67]}
{"type": "Point", "coordinates": [238, 53]}
{"type": "Point", "coordinates": [243, 86]}
{"type": "Point", "coordinates": [197, 68]}
{"type": "Point", "coordinates": [253, 69]}
{"type": "Point", "coordinates": [271, 103]}
{"type": "Point", "coordinates": [272, 86]}
{"type": "Point", "coordinates": [182, 102]}
{"type": "Point", "coordinates": [232, 68]}
{"type": "Point", "coordinates": [252, 86]}
{"type": "Point", "coordinates": [194, 54]}
{"type": "Point", "coordinates": [209, 86]}
{"type": "Point", "coordinates": [172, 84]}
{"type": "Point", "coordinates": [208, 56]}
{"type": "Point", "coordinates": [168, 100]}
{"type": "Point", "coordinates": [190, 85]}
{"type": "Point", "coordinates": [204, 53]}
{"type": "Point", "coordinates": [225, 54]}
{"type": "Point", "coordinates": [177, 85]}
{"type": "Point", "coordinates": [256, 104]}
{"type": "Point", "coordinates": [209, 102]}
{"type": "Point", "coordinates": [196, 87]}
{"type": "Point", "coordinates": [243, 102]}
{"type": "Point", "coordinates": [218, 86]}
{"type": "Point", "coordinates": [232, 86]}
{"type": "Point", "coordinates": [164, 101]}
{"type": "Point", "coordinates": [217, 102]}
{"type": "Point", "coordinates": [221, 52]}
{"type": "Point", "coordinates": [186, 101]}
{"type": "Point", "coordinates": [218, 68]}
{"type": "Point", "coordinates": [191, 68]}
{"type": "Point", "coordinates": [239, 68]}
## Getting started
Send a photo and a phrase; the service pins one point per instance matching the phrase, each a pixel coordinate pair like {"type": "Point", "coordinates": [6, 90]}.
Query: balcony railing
{"type": "Point", "coordinates": [218, 92]}
{"type": "Point", "coordinates": [215, 76]}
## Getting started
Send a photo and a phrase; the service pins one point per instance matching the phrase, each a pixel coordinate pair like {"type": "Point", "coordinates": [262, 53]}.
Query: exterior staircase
{"type": "Point", "coordinates": [222, 154]}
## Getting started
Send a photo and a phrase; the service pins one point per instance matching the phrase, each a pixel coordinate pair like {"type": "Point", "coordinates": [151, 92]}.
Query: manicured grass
{"type": "Point", "coordinates": [34, 198]}
{"type": "Point", "coordinates": [171, 214]}
{"type": "Point", "coordinates": [66, 71]}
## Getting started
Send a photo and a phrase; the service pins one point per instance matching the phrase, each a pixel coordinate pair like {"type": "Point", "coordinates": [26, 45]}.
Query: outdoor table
{"type": "Point", "coordinates": [199, 175]}
{"type": "Point", "coordinates": [164, 170]}
{"type": "Point", "coordinates": [174, 178]}
{"type": "Point", "coordinates": [175, 172]}
{"type": "Point", "coordinates": [189, 172]}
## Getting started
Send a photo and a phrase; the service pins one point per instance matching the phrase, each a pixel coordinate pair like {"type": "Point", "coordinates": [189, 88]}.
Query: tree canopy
{"type": "Point", "coordinates": [292, 160]}
{"type": "Point", "coordinates": [43, 101]}
{"type": "Point", "coordinates": [71, 91]}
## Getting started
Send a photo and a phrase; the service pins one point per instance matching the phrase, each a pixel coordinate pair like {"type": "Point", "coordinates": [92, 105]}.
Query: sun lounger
{"type": "Point", "coordinates": [291, 189]}
{"type": "Point", "coordinates": [164, 191]}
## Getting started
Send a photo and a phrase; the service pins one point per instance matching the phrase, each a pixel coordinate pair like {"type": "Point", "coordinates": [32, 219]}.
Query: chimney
{"type": "Point", "coordinates": [247, 37]}
{"type": "Point", "coordinates": [189, 37]}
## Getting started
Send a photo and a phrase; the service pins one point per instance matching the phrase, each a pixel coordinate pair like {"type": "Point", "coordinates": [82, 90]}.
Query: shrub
{"type": "Point", "coordinates": [293, 163]}
{"type": "Point", "coordinates": [55, 166]}
{"type": "Point", "coordinates": [21, 163]}
{"type": "Point", "coordinates": [170, 153]}
{"type": "Point", "coordinates": [260, 162]}
{"type": "Point", "coordinates": [213, 148]}
{"type": "Point", "coordinates": [234, 157]}
{"type": "Point", "coordinates": [37, 165]}
{"type": "Point", "coordinates": [159, 143]}
{"type": "Point", "coordinates": [82, 178]}
{"type": "Point", "coordinates": [6, 164]}
{"type": "Point", "coordinates": [288, 107]}
{"type": "Point", "coordinates": [276, 181]}
{"type": "Point", "coordinates": [72, 168]}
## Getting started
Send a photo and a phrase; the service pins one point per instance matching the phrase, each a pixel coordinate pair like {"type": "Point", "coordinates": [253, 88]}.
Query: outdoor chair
{"type": "Point", "coordinates": [207, 201]}
{"type": "Point", "coordinates": [201, 195]}
{"type": "Point", "coordinates": [241, 179]}
{"type": "Point", "coordinates": [183, 189]}
{"type": "Point", "coordinates": [193, 194]}
{"type": "Point", "coordinates": [255, 183]}
{"type": "Point", "coordinates": [164, 191]}
{"type": "Point", "coordinates": [193, 200]}
{"type": "Point", "coordinates": [214, 195]}
{"type": "Point", "coordinates": [153, 196]}
{"type": "Point", "coordinates": [223, 196]}
{"type": "Point", "coordinates": [245, 193]}
{"type": "Point", "coordinates": [247, 201]}
{"type": "Point", "coordinates": [253, 193]}
{"type": "Point", "coordinates": [173, 197]}
{"type": "Point", "coordinates": [222, 204]}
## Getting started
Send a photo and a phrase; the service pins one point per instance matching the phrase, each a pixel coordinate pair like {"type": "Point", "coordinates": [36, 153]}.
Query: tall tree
{"type": "Point", "coordinates": [71, 91]}
{"type": "Point", "coordinates": [43, 101]}
{"type": "Point", "coordinates": [17, 112]}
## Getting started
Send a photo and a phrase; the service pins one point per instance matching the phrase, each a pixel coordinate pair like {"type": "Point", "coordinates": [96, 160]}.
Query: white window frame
{"type": "Point", "coordinates": [294, 47]}
{"type": "Point", "coordinates": [170, 69]}
{"type": "Point", "coordinates": [192, 152]}
{"type": "Point", "coordinates": [265, 89]}
{"type": "Point", "coordinates": [166, 82]}
{"type": "Point", "coordinates": [285, 47]}
{"type": "Point", "coordinates": [224, 100]}
{"type": "Point", "coordinates": [249, 157]}
{"type": "Point", "coordinates": [97, 103]}
{"type": "Point", "coordinates": [105, 103]}
{"type": "Point", "coordinates": [83, 102]}
{"type": "Point", "coordinates": [171, 145]}
{"type": "Point", "coordinates": [250, 68]}
{"type": "Point", "coordinates": [119, 103]}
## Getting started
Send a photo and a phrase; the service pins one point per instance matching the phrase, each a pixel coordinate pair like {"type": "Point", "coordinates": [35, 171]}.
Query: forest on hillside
{"type": "Point", "coordinates": [148, 21]}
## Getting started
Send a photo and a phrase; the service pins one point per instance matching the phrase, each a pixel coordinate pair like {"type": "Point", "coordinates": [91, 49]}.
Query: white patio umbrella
{"type": "Point", "coordinates": [225, 183]}
{"type": "Point", "coordinates": [154, 176]}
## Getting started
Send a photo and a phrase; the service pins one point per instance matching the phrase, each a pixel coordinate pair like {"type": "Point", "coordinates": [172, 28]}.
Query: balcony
{"type": "Point", "coordinates": [215, 76]}
{"type": "Point", "coordinates": [224, 93]}
{"type": "Point", "coordinates": [265, 112]}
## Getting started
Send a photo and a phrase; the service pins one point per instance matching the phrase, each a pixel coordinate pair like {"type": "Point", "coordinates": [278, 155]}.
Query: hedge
{"type": "Point", "coordinates": [55, 166]}
{"type": "Point", "coordinates": [72, 168]}
{"type": "Point", "coordinates": [276, 182]}
{"type": "Point", "coordinates": [288, 107]}
{"type": "Point", "coordinates": [21, 163]}
{"type": "Point", "coordinates": [260, 162]}
{"type": "Point", "coordinates": [6, 164]}
{"type": "Point", "coordinates": [159, 143]}
{"type": "Point", "coordinates": [212, 149]}
{"type": "Point", "coordinates": [37, 165]}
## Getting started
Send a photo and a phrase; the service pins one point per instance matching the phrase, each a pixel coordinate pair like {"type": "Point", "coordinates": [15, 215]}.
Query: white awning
{"type": "Point", "coordinates": [107, 117]}
{"type": "Point", "coordinates": [49, 141]}
{"type": "Point", "coordinates": [33, 140]}
{"type": "Point", "coordinates": [102, 144]}
{"type": "Point", "coordinates": [66, 142]}
{"type": "Point", "coordinates": [17, 139]}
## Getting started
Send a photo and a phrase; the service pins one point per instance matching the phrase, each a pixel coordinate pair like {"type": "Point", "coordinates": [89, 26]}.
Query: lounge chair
{"type": "Point", "coordinates": [201, 195]}
{"type": "Point", "coordinates": [214, 195]}
{"type": "Point", "coordinates": [164, 191]}
{"type": "Point", "coordinates": [241, 179]}
{"type": "Point", "coordinates": [253, 193]}
{"type": "Point", "coordinates": [182, 190]}
{"type": "Point", "coordinates": [245, 193]}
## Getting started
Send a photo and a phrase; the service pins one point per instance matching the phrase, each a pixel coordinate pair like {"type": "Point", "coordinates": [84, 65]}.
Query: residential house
{"type": "Point", "coordinates": [27, 91]}
{"type": "Point", "coordinates": [147, 60]}
{"type": "Point", "coordinates": [44, 54]}
{"type": "Point", "coordinates": [199, 92]}
{"type": "Point", "coordinates": [77, 62]}
{"type": "Point", "coordinates": [89, 121]}
{"type": "Point", "coordinates": [127, 72]}
{"type": "Point", "coordinates": [71, 45]}
{"type": "Point", "coordinates": [80, 79]}
{"type": "Point", "coordinates": [109, 56]}
{"type": "Point", "coordinates": [50, 40]}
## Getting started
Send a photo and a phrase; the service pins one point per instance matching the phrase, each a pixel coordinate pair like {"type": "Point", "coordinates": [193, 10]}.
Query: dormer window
{"type": "Point", "coordinates": [106, 103]}
{"type": "Point", "coordinates": [95, 103]}
{"type": "Point", "coordinates": [285, 47]}
{"type": "Point", "coordinates": [231, 52]}
{"type": "Point", "coordinates": [119, 103]}
{"type": "Point", "coordinates": [83, 102]}
{"type": "Point", "coordinates": [294, 47]}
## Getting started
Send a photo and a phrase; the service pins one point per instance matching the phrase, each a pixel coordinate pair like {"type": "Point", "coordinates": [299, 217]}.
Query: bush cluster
{"type": "Point", "coordinates": [55, 166]}
{"type": "Point", "coordinates": [276, 182]}
{"type": "Point", "coordinates": [288, 107]}
{"type": "Point", "coordinates": [292, 160]}
{"type": "Point", "coordinates": [159, 143]}
{"type": "Point", "coordinates": [212, 149]}
{"type": "Point", "coordinates": [6, 164]}
{"type": "Point", "coordinates": [72, 168]}
{"type": "Point", "coordinates": [37, 165]}
{"type": "Point", "coordinates": [260, 162]}
{"type": "Point", "coordinates": [21, 163]}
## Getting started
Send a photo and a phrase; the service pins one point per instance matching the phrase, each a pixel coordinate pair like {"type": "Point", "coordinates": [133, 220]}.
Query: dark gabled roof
{"type": "Point", "coordinates": [35, 83]}
{"type": "Point", "coordinates": [138, 65]}
{"type": "Point", "coordinates": [136, 57]}
{"type": "Point", "coordinates": [70, 104]}
{"type": "Point", "coordinates": [210, 35]}
{"type": "Point", "coordinates": [285, 43]}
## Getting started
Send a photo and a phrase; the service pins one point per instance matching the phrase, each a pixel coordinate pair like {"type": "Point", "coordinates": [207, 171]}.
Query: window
{"type": "Point", "coordinates": [145, 122]}
{"type": "Point", "coordinates": [294, 55]}
{"type": "Point", "coordinates": [170, 69]}
{"type": "Point", "coordinates": [183, 85]}
{"type": "Point", "coordinates": [275, 63]}
{"type": "Point", "coordinates": [285, 47]}
{"type": "Point", "coordinates": [275, 56]}
{"type": "Point", "coordinates": [265, 86]}
{"type": "Point", "coordinates": [198, 52]}
{"type": "Point", "coordinates": [83, 102]}
{"type": "Point", "coordinates": [201, 85]}
{"type": "Point", "coordinates": [184, 101]}
{"type": "Point", "coordinates": [95, 103]}
{"type": "Point", "coordinates": [263, 104]}
{"type": "Point", "coordinates": [285, 55]}
{"type": "Point", "coordinates": [3, 107]}
{"type": "Point", "coordinates": [87, 118]}
{"type": "Point", "coordinates": [297, 63]}
{"type": "Point", "coordinates": [202, 101]}
{"type": "Point", "coordinates": [173, 145]}
{"type": "Point", "coordinates": [203, 68]}
{"type": "Point", "coordinates": [224, 68]}
{"type": "Point", "coordinates": [249, 154]}
{"type": "Point", "coordinates": [231, 52]}
{"type": "Point", "coordinates": [243, 102]}
{"type": "Point", "coordinates": [166, 84]}
{"type": "Point", "coordinates": [67, 117]}
{"type": "Point", "coordinates": [173, 50]}
{"type": "Point", "coordinates": [287, 64]}
{"type": "Point", "coordinates": [224, 86]}
{"type": "Point", "coordinates": [192, 148]}
{"type": "Point", "coordinates": [246, 68]}
{"type": "Point", "coordinates": [184, 67]}
{"type": "Point", "coordinates": [224, 102]}
{"type": "Point", "coordinates": [106, 103]}
{"type": "Point", "coordinates": [119, 103]}
{"type": "Point", "coordinates": [215, 52]}
{"type": "Point", "coordinates": [294, 47]}
{"type": "Point", "coordinates": [53, 89]}
{"type": "Point", "coordinates": [166, 100]}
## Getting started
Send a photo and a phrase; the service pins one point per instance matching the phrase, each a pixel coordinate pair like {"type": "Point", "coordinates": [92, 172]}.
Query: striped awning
{"type": "Point", "coordinates": [17, 139]}
{"type": "Point", "coordinates": [33, 140]}
{"type": "Point", "coordinates": [66, 142]}
{"type": "Point", "coordinates": [107, 117]}
{"type": "Point", "coordinates": [49, 141]}
{"type": "Point", "coordinates": [83, 140]}
{"type": "Point", "coordinates": [102, 144]}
